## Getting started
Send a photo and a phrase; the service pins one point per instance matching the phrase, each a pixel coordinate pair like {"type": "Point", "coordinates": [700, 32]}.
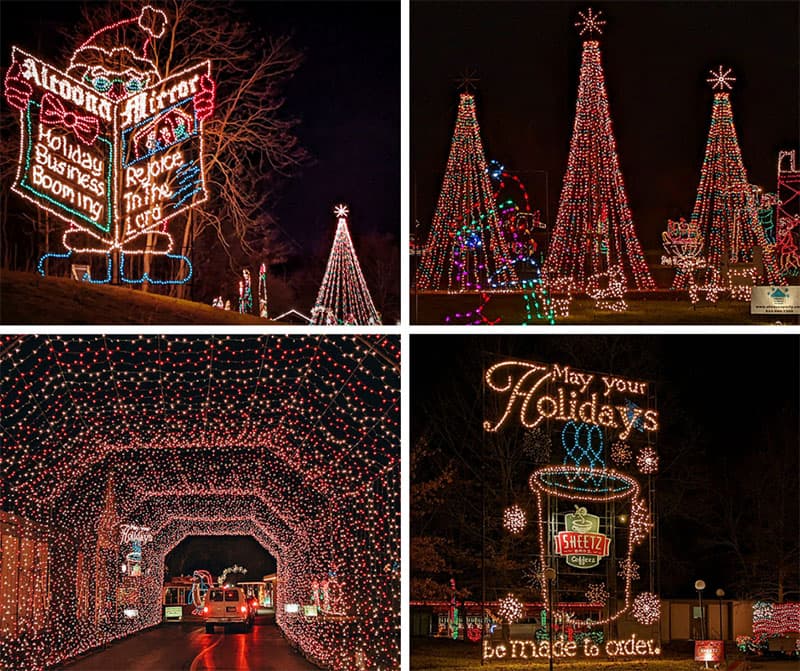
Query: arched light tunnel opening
{"type": "Point", "coordinates": [237, 559]}
{"type": "Point", "coordinates": [119, 448]}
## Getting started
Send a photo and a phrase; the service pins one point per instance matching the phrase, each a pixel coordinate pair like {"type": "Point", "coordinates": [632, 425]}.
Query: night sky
{"type": "Point", "coordinates": [695, 373]}
{"type": "Point", "coordinates": [346, 95]}
{"type": "Point", "coordinates": [216, 553]}
{"type": "Point", "coordinates": [721, 413]}
{"type": "Point", "coordinates": [656, 57]}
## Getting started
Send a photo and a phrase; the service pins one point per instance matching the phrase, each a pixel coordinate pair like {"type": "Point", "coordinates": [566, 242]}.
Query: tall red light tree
{"type": "Point", "coordinates": [726, 208]}
{"type": "Point", "coordinates": [465, 249]}
{"type": "Point", "coordinates": [594, 232]}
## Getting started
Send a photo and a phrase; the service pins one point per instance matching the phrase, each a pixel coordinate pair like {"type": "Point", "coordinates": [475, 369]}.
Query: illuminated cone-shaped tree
{"type": "Point", "coordinates": [726, 208]}
{"type": "Point", "coordinates": [465, 249]}
{"type": "Point", "coordinates": [594, 228]}
{"type": "Point", "coordinates": [343, 297]}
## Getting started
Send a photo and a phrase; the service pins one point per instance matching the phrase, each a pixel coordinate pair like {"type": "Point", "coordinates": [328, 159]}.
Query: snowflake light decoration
{"type": "Point", "coordinates": [629, 569]}
{"type": "Point", "coordinates": [341, 211]}
{"type": "Point", "coordinates": [510, 609]}
{"type": "Point", "coordinates": [590, 23]}
{"type": "Point", "coordinates": [641, 523]}
{"type": "Point", "coordinates": [534, 574]}
{"type": "Point", "coordinates": [621, 453]}
{"type": "Point", "coordinates": [536, 445]}
{"type": "Point", "coordinates": [721, 80]}
{"type": "Point", "coordinates": [646, 608]}
{"type": "Point", "coordinates": [597, 593]}
{"type": "Point", "coordinates": [647, 461]}
{"type": "Point", "coordinates": [514, 519]}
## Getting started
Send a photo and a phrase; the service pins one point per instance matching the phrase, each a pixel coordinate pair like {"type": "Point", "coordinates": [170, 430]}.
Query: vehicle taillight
{"type": "Point", "coordinates": [205, 610]}
{"type": "Point", "coordinates": [243, 609]}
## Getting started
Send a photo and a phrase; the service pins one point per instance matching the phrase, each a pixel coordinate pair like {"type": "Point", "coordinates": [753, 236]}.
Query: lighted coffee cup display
{"type": "Point", "coordinates": [585, 480]}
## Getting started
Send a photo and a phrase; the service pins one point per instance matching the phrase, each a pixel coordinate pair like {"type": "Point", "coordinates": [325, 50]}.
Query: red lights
{"type": "Point", "coordinates": [293, 440]}
{"type": "Point", "coordinates": [594, 232]}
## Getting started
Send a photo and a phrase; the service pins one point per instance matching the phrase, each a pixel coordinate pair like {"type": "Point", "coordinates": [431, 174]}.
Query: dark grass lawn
{"type": "Point", "coordinates": [665, 307]}
{"type": "Point", "coordinates": [28, 298]}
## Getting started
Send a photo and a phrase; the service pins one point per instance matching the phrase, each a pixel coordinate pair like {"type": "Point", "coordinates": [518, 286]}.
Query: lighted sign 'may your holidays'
{"type": "Point", "coordinates": [541, 392]}
{"type": "Point", "coordinates": [111, 147]}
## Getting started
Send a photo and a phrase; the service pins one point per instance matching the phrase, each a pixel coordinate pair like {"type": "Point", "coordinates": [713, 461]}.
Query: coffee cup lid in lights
{"type": "Point", "coordinates": [583, 483]}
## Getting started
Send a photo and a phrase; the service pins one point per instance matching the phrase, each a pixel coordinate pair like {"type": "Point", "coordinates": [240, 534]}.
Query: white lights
{"type": "Point", "coordinates": [646, 608]}
{"type": "Point", "coordinates": [293, 440]}
{"type": "Point", "coordinates": [621, 453]}
{"type": "Point", "coordinates": [514, 519]}
{"type": "Point", "coordinates": [640, 523]}
{"type": "Point", "coordinates": [343, 297]}
{"type": "Point", "coordinates": [510, 609]}
{"type": "Point", "coordinates": [590, 23]}
{"type": "Point", "coordinates": [721, 80]}
{"type": "Point", "coordinates": [647, 461]}
{"type": "Point", "coordinates": [531, 387]}
{"type": "Point", "coordinates": [533, 649]}
{"type": "Point", "coordinates": [597, 593]}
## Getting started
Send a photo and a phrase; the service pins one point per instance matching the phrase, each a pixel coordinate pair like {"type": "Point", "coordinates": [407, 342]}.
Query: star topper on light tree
{"type": "Point", "coordinates": [465, 250]}
{"type": "Point", "coordinates": [594, 238]}
{"type": "Point", "coordinates": [343, 297]}
{"type": "Point", "coordinates": [725, 208]}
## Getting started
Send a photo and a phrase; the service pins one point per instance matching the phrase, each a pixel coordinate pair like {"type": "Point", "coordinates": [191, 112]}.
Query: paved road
{"type": "Point", "coordinates": [185, 647]}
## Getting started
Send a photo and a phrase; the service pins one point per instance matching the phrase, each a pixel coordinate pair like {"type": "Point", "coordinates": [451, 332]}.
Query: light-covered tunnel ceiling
{"type": "Point", "coordinates": [272, 415]}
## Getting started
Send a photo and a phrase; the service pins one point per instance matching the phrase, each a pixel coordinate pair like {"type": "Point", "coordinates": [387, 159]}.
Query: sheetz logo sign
{"type": "Point", "coordinates": [581, 544]}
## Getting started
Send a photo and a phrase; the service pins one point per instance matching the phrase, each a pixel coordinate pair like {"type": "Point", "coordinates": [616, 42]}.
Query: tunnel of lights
{"type": "Point", "coordinates": [293, 440]}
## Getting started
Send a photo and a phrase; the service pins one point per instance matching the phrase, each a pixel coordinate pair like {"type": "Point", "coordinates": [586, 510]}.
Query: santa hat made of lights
{"type": "Point", "coordinates": [121, 47]}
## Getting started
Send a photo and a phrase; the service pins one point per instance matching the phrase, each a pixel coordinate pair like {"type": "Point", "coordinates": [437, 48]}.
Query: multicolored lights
{"type": "Point", "coordinates": [467, 261]}
{"type": "Point", "coordinates": [545, 397]}
{"type": "Point", "coordinates": [725, 209]}
{"type": "Point", "coordinates": [343, 297]}
{"type": "Point", "coordinates": [112, 148]}
{"type": "Point", "coordinates": [293, 440]}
